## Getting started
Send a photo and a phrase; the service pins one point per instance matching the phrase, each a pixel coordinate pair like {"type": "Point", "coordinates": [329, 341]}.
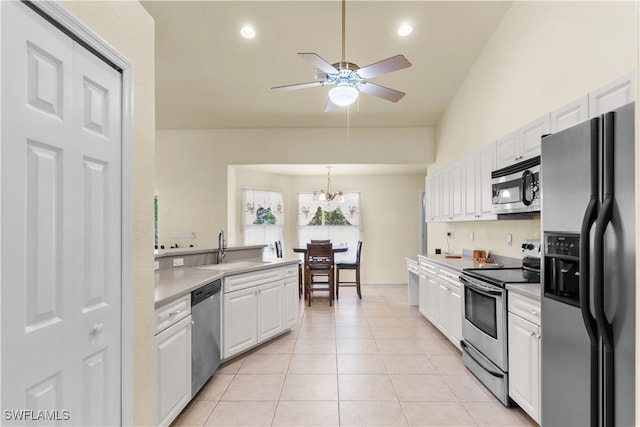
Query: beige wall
{"type": "Point", "coordinates": [129, 29]}
{"type": "Point", "coordinates": [390, 215]}
{"type": "Point", "coordinates": [192, 170]}
{"type": "Point", "coordinates": [542, 56]}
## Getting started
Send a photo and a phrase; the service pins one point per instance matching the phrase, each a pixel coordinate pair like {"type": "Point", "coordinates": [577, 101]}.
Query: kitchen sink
{"type": "Point", "coordinates": [233, 265]}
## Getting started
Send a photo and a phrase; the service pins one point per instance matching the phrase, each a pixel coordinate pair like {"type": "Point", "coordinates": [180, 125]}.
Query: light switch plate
{"type": "Point", "coordinates": [178, 262]}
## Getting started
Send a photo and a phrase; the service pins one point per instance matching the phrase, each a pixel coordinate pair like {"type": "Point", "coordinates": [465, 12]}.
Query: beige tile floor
{"type": "Point", "coordinates": [369, 362]}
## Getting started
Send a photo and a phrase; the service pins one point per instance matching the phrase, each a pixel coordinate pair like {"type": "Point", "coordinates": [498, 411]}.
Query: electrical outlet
{"type": "Point", "coordinates": [472, 236]}
{"type": "Point", "coordinates": [452, 234]}
{"type": "Point", "coordinates": [156, 265]}
{"type": "Point", "coordinates": [509, 240]}
{"type": "Point", "coordinates": [178, 262]}
{"type": "Point", "coordinates": [193, 234]}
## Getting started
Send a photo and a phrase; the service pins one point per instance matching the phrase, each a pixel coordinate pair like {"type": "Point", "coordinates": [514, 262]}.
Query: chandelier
{"type": "Point", "coordinates": [329, 195]}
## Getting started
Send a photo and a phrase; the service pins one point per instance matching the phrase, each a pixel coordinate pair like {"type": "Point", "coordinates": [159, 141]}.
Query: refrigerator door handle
{"type": "Point", "coordinates": [604, 218]}
{"type": "Point", "coordinates": [590, 324]}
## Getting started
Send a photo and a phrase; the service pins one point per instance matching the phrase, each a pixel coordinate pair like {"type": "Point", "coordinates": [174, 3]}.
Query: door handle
{"type": "Point", "coordinates": [97, 328]}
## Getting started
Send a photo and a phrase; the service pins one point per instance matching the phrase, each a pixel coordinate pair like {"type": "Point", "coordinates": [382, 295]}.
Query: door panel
{"type": "Point", "coordinates": [61, 223]}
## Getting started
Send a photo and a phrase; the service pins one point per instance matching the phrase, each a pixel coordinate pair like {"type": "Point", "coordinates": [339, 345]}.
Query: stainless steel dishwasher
{"type": "Point", "coordinates": [205, 334]}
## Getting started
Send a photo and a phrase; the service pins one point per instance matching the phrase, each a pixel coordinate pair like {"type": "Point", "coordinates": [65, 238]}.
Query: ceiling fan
{"type": "Point", "coordinates": [350, 79]}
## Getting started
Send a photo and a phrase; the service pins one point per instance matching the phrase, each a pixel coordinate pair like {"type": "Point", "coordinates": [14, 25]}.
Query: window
{"type": "Point", "coordinates": [263, 219]}
{"type": "Point", "coordinates": [339, 222]}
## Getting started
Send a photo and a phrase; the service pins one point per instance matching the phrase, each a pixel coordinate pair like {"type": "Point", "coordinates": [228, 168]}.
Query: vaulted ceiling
{"type": "Point", "coordinates": [208, 76]}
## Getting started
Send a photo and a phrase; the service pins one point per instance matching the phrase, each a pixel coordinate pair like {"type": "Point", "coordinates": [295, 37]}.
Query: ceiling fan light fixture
{"type": "Point", "coordinates": [343, 94]}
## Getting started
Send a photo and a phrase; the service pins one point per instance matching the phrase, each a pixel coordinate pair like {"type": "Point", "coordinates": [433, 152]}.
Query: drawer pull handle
{"type": "Point", "coordinates": [175, 313]}
{"type": "Point", "coordinates": [534, 312]}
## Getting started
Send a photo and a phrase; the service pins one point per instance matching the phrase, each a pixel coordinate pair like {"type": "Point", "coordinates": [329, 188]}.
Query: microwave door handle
{"type": "Point", "coordinates": [588, 318]}
{"type": "Point", "coordinates": [486, 290]}
{"type": "Point", "coordinates": [527, 180]}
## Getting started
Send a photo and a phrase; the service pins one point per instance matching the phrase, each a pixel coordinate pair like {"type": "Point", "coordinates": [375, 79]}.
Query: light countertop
{"type": "Point", "coordinates": [172, 283]}
{"type": "Point", "coordinates": [460, 264]}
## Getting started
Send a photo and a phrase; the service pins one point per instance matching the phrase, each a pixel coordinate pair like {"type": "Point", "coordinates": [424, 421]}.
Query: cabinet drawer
{"type": "Point", "coordinates": [450, 277]}
{"type": "Point", "coordinates": [290, 271]}
{"type": "Point", "coordinates": [525, 307]}
{"type": "Point", "coordinates": [172, 312]}
{"type": "Point", "coordinates": [253, 278]}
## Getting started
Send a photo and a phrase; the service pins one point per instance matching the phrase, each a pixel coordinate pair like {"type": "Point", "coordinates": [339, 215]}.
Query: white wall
{"type": "Point", "coordinates": [192, 176]}
{"type": "Point", "coordinates": [127, 27]}
{"type": "Point", "coordinates": [542, 56]}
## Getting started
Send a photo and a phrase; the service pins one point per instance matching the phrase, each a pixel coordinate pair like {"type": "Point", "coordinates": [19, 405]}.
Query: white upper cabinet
{"type": "Point", "coordinates": [522, 144]}
{"type": "Point", "coordinates": [457, 191]}
{"type": "Point", "coordinates": [477, 184]}
{"type": "Point", "coordinates": [507, 150]}
{"type": "Point", "coordinates": [570, 115]}
{"type": "Point", "coordinates": [445, 194]}
{"type": "Point", "coordinates": [613, 95]}
{"type": "Point", "coordinates": [531, 135]}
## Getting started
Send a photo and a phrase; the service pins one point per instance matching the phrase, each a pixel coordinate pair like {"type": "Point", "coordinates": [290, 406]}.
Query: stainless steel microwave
{"type": "Point", "coordinates": [516, 188]}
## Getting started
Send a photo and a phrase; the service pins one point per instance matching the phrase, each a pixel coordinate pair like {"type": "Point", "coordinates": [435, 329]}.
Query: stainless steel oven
{"type": "Point", "coordinates": [484, 321]}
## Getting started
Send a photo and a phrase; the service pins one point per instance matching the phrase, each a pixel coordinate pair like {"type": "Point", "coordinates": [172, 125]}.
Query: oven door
{"type": "Point", "coordinates": [484, 323]}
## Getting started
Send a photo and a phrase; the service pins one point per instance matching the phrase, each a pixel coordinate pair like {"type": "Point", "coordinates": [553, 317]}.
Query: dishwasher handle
{"type": "Point", "coordinates": [205, 292]}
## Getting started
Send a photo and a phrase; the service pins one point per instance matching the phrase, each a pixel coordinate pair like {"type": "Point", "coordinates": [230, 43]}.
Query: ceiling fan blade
{"type": "Point", "coordinates": [388, 65]}
{"type": "Point", "coordinates": [318, 62]}
{"type": "Point", "coordinates": [330, 106]}
{"type": "Point", "coordinates": [298, 86]}
{"type": "Point", "coordinates": [381, 92]}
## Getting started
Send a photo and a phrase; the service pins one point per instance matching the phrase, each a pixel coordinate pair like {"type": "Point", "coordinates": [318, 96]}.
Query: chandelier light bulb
{"type": "Point", "coordinates": [343, 94]}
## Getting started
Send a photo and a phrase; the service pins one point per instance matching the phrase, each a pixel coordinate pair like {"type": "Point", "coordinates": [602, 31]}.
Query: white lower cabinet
{"type": "Point", "coordinates": [258, 311]}
{"type": "Point", "coordinates": [441, 299]}
{"type": "Point", "coordinates": [524, 353]}
{"type": "Point", "coordinates": [173, 370]}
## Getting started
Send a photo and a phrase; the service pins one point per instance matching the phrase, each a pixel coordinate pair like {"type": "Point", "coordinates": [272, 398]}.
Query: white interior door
{"type": "Point", "coordinates": [60, 224]}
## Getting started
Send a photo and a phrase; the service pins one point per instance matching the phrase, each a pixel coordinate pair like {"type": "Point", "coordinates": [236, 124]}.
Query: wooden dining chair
{"type": "Point", "coordinates": [349, 266]}
{"type": "Point", "coordinates": [320, 240]}
{"type": "Point", "coordinates": [319, 262]}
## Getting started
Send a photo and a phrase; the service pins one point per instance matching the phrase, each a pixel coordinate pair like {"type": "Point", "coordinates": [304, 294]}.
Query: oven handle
{"type": "Point", "coordinates": [486, 290]}
{"type": "Point", "coordinates": [495, 374]}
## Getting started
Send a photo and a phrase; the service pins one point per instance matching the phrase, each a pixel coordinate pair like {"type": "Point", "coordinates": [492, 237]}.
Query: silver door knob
{"type": "Point", "coordinates": [97, 328]}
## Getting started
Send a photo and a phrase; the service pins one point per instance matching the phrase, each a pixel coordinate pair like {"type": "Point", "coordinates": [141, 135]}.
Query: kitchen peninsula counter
{"type": "Point", "coordinates": [172, 283]}
{"type": "Point", "coordinates": [466, 261]}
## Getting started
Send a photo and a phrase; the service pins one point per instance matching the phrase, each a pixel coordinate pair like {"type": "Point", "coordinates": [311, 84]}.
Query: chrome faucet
{"type": "Point", "coordinates": [222, 245]}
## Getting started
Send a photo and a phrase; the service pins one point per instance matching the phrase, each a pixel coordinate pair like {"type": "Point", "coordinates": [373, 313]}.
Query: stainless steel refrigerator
{"type": "Point", "coordinates": [588, 273]}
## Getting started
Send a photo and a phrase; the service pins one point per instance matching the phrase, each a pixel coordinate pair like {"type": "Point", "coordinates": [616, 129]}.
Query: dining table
{"type": "Point", "coordinates": [335, 249]}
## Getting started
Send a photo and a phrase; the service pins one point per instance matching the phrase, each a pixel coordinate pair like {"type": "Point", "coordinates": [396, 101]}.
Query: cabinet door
{"type": "Point", "coordinates": [531, 135]}
{"type": "Point", "coordinates": [486, 165]}
{"type": "Point", "coordinates": [455, 315]}
{"type": "Point", "coordinates": [524, 364]}
{"type": "Point", "coordinates": [457, 190]}
{"type": "Point", "coordinates": [428, 198]}
{"type": "Point", "coordinates": [470, 201]}
{"type": "Point", "coordinates": [442, 316]}
{"type": "Point", "coordinates": [240, 321]}
{"type": "Point", "coordinates": [270, 310]}
{"type": "Point", "coordinates": [173, 371]}
{"type": "Point", "coordinates": [613, 95]}
{"type": "Point", "coordinates": [422, 293]}
{"type": "Point", "coordinates": [290, 302]}
{"type": "Point", "coordinates": [445, 195]}
{"type": "Point", "coordinates": [507, 150]}
{"type": "Point", "coordinates": [570, 115]}
{"type": "Point", "coordinates": [432, 300]}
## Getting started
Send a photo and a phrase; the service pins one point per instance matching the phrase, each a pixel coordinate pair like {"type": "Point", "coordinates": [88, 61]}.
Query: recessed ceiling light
{"type": "Point", "coordinates": [404, 30]}
{"type": "Point", "coordinates": [248, 32]}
